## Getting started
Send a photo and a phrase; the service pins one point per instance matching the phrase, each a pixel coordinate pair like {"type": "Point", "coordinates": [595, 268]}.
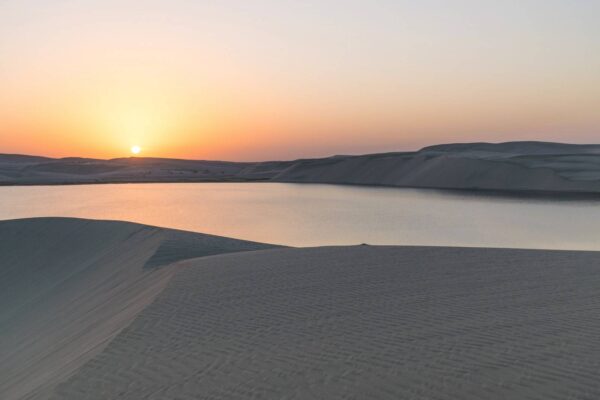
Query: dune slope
{"type": "Point", "coordinates": [513, 166]}
{"type": "Point", "coordinates": [363, 323]}
{"type": "Point", "coordinates": [68, 286]}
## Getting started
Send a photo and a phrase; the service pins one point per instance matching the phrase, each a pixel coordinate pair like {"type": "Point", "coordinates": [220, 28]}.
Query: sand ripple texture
{"type": "Point", "coordinates": [69, 286]}
{"type": "Point", "coordinates": [361, 323]}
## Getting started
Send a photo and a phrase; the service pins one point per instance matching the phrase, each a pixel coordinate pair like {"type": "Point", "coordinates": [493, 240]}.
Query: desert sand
{"type": "Point", "coordinates": [68, 286]}
{"type": "Point", "coordinates": [512, 166]}
{"type": "Point", "coordinates": [112, 310]}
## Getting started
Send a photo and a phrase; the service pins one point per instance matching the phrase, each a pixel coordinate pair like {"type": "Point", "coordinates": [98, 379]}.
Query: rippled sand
{"type": "Point", "coordinates": [332, 322]}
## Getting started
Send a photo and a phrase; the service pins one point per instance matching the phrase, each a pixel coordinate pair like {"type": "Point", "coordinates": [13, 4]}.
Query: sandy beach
{"type": "Point", "coordinates": [108, 310]}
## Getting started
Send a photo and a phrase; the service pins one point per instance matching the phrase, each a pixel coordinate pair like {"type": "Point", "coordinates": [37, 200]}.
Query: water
{"type": "Point", "coordinates": [315, 215]}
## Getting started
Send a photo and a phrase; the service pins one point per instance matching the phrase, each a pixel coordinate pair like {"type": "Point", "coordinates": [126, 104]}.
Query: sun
{"type": "Point", "coordinates": [136, 149]}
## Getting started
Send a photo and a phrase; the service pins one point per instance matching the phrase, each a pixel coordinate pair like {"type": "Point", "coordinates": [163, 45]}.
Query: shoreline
{"type": "Point", "coordinates": [508, 193]}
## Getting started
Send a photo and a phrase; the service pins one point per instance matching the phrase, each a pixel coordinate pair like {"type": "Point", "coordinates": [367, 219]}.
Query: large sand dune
{"type": "Point", "coordinates": [68, 286]}
{"type": "Point", "coordinates": [94, 310]}
{"type": "Point", "coordinates": [516, 166]}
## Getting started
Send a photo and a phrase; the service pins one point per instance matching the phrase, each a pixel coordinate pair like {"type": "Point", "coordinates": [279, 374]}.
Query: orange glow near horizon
{"type": "Point", "coordinates": [282, 80]}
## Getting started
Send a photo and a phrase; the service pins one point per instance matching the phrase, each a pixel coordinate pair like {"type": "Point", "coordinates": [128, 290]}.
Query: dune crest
{"type": "Point", "coordinates": [68, 286]}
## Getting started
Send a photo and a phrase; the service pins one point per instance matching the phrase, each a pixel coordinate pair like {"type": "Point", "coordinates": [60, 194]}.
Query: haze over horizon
{"type": "Point", "coordinates": [288, 79]}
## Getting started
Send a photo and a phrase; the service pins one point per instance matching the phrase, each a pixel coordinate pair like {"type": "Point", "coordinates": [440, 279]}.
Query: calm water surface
{"type": "Point", "coordinates": [313, 215]}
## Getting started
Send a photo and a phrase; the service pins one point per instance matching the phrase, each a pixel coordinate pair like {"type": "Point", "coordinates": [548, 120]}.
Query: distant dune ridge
{"type": "Point", "coordinates": [513, 166]}
{"type": "Point", "coordinates": [114, 310]}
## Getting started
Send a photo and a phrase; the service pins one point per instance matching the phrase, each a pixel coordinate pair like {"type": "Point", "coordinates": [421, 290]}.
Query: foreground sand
{"type": "Point", "coordinates": [324, 323]}
{"type": "Point", "coordinates": [68, 286]}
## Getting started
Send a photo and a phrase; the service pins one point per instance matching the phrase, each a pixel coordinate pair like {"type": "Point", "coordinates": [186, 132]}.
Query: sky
{"type": "Point", "coordinates": [283, 79]}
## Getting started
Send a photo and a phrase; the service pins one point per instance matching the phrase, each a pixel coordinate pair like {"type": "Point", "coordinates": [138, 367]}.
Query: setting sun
{"type": "Point", "coordinates": [136, 149]}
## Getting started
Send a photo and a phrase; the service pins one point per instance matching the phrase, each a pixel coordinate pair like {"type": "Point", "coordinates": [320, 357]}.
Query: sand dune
{"type": "Point", "coordinates": [94, 310]}
{"type": "Point", "coordinates": [361, 322]}
{"type": "Point", "coordinates": [512, 166]}
{"type": "Point", "coordinates": [68, 286]}
{"type": "Point", "coordinates": [516, 166]}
